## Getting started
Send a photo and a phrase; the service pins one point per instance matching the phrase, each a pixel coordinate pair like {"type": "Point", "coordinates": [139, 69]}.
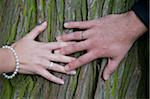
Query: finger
{"type": "Point", "coordinates": [75, 48]}
{"type": "Point", "coordinates": [36, 31]}
{"type": "Point", "coordinates": [51, 77]}
{"type": "Point", "coordinates": [57, 51]}
{"type": "Point", "coordinates": [80, 25]}
{"type": "Point", "coordinates": [60, 68]}
{"type": "Point", "coordinates": [59, 58]}
{"type": "Point", "coordinates": [84, 59]}
{"type": "Point", "coordinates": [57, 45]}
{"type": "Point", "coordinates": [110, 68]}
{"type": "Point", "coordinates": [74, 36]}
{"type": "Point", "coordinates": [55, 67]}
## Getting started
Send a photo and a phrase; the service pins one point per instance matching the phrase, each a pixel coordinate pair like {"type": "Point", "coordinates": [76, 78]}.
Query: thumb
{"type": "Point", "coordinates": [36, 31]}
{"type": "Point", "coordinates": [110, 68]}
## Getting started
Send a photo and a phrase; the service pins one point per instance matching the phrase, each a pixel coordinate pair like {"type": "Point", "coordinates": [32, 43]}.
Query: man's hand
{"type": "Point", "coordinates": [111, 37]}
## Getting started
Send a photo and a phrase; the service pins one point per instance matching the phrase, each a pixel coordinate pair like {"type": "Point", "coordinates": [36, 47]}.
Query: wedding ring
{"type": "Point", "coordinates": [82, 35]}
{"type": "Point", "coordinates": [51, 64]}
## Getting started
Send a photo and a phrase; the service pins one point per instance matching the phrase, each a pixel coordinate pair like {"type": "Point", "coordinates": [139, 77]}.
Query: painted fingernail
{"type": "Point", "coordinates": [106, 77]}
{"type": "Point", "coordinates": [67, 68]}
{"type": "Point", "coordinates": [66, 25]}
{"type": "Point", "coordinates": [72, 72]}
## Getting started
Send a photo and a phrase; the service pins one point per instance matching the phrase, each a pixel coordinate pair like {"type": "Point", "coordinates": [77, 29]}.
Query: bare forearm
{"type": "Point", "coordinates": [7, 62]}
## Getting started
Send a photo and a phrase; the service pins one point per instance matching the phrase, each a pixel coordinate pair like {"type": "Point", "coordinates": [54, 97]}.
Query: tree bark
{"type": "Point", "coordinates": [18, 17]}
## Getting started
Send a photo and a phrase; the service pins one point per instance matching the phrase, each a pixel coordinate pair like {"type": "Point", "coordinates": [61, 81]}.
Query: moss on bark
{"type": "Point", "coordinates": [18, 17]}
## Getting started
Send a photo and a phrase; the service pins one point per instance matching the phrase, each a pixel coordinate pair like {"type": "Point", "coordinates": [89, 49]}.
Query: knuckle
{"type": "Point", "coordinates": [69, 49]}
{"type": "Point", "coordinates": [61, 57]}
{"type": "Point", "coordinates": [73, 47]}
{"type": "Point", "coordinates": [76, 23]}
{"type": "Point", "coordinates": [81, 61]}
{"type": "Point", "coordinates": [71, 65]}
{"type": "Point", "coordinates": [39, 71]}
{"type": "Point", "coordinates": [92, 23]}
{"type": "Point", "coordinates": [91, 42]}
{"type": "Point", "coordinates": [85, 45]}
{"type": "Point", "coordinates": [43, 73]}
{"type": "Point", "coordinates": [76, 34]}
{"type": "Point", "coordinates": [63, 37]}
{"type": "Point", "coordinates": [39, 62]}
{"type": "Point", "coordinates": [96, 53]}
{"type": "Point", "coordinates": [63, 50]}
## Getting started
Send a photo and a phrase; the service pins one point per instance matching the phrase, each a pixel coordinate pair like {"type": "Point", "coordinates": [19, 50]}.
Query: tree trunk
{"type": "Point", "coordinates": [18, 17]}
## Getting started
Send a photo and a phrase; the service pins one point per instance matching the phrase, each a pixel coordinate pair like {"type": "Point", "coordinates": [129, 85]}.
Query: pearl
{"type": "Point", "coordinates": [15, 72]}
{"type": "Point", "coordinates": [15, 54]}
{"type": "Point", "coordinates": [17, 67]}
{"type": "Point", "coordinates": [17, 62]}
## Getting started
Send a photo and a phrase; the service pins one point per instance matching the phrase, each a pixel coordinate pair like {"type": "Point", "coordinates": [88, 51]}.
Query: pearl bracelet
{"type": "Point", "coordinates": [16, 61]}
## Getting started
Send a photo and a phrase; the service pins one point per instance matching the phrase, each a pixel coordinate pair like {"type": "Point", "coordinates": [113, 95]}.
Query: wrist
{"type": "Point", "coordinates": [134, 25]}
{"type": "Point", "coordinates": [7, 61]}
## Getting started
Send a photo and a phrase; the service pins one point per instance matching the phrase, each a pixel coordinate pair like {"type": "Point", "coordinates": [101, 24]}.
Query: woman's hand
{"type": "Point", "coordinates": [111, 37]}
{"type": "Point", "coordinates": [35, 57]}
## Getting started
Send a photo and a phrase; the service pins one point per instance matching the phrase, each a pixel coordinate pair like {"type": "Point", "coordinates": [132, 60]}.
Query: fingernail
{"type": "Point", "coordinates": [67, 68]}
{"type": "Point", "coordinates": [58, 38]}
{"type": "Point", "coordinates": [66, 25]}
{"type": "Point", "coordinates": [45, 23]}
{"type": "Point", "coordinates": [57, 52]}
{"type": "Point", "coordinates": [62, 82]}
{"type": "Point", "coordinates": [106, 77]}
{"type": "Point", "coordinates": [72, 72]}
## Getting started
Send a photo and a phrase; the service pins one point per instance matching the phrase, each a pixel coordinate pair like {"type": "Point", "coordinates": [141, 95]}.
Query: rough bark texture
{"type": "Point", "coordinates": [18, 17]}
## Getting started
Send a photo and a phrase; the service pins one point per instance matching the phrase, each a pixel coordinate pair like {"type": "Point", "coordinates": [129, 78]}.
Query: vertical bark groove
{"type": "Point", "coordinates": [18, 17]}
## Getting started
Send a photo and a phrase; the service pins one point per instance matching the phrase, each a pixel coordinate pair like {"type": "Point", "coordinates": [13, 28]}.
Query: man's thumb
{"type": "Point", "coordinates": [110, 68]}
